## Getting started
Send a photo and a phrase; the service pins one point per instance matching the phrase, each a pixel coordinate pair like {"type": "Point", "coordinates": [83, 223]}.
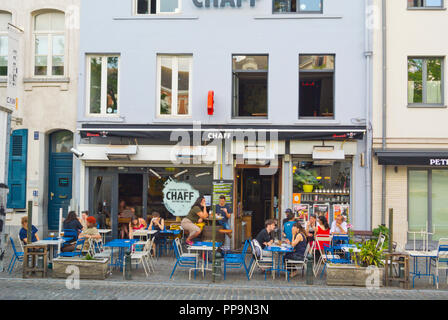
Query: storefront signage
{"type": "Point", "coordinates": [218, 135]}
{"type": "Point", "coordinates": [221, 3]}
{"type": "Point", "coordinates": [438, 162]}
{"type": "Point", "coordinates": [14, 67]}
{"type": "Point", "coordinates": [179, 197]}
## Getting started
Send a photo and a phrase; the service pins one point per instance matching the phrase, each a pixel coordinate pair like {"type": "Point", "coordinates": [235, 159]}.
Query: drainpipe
{"type": "Point", "coordinates": [368, 54]}
{"type": "Point", "coordinates": [384, 110]}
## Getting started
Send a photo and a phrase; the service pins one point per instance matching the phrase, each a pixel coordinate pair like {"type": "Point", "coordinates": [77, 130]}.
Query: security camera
{"type": "Point", "coordinates": [76, 152]}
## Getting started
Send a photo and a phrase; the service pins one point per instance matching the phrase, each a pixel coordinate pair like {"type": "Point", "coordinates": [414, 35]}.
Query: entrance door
{"type": "Point", "coordinates": [60, 176]}
{"type": "Point", "coordinates": [258, 195]}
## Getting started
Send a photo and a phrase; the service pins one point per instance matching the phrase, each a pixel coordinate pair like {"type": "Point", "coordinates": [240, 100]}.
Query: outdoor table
{"type": "Point", "coordinates": [428, 255]}
{"type": "Point", "coordinates": [51, 243]}
{"type": "Point", "coordinates": [166, 233]}
{"type": "Point", "coordinates": [279, 251]}
{"type": "Point", "coordinates": [346, 248]}
{"type": "Point", "coordinates": [205, 247]}
{"type": "Point", "coordinates": [143, 233]}
{"type": "Point", "coordinates": [121, 244]}
{"type": "Point", "coordinates": [103, 233]}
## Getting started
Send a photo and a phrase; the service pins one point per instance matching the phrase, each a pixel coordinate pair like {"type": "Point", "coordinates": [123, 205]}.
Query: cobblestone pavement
{"type": "Point", "coordinates": [236, 286]}
{"type": "Point", "coordinates": [54, 289]}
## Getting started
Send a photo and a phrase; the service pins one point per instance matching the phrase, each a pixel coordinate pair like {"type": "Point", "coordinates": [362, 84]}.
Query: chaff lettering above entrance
{"type": "Point", "coordinates": [221, 3]}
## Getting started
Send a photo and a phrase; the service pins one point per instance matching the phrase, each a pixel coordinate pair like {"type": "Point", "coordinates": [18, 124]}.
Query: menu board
{"type": "Point", "coordinates": [225, 188]}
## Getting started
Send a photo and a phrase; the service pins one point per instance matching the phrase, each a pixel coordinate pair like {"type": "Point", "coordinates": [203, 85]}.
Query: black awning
{"type": "Point", "coordinates": [421, 157]}
{"type": "Point", "coordinates": [210, 132]}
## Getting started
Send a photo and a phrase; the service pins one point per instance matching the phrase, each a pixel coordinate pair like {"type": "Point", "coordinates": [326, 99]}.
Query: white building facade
{"type": "Point", "coordinates": [40, 164]}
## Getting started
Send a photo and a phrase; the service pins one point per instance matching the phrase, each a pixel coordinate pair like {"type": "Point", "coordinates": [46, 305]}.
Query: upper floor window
{"type": "Point", "coordinates": [102, 85]}
{"type": "Point", "coordinates": [250, 86]}
{"type": "Point", "coordinates": [298, 6]}
{"type": "Point", "coordinates": [157, 6]}
{"type": "Point", "coordinates": [49, 44]}
{"type": "Point", "coordinates": [425, 81]}
{"type": "Point", "coordinates": [425, 3]}
{"type": "Point", "coordinates": [5, 18]}
{"type": "Point", "coordinates": [316, 86]}
{"type": "Point", "coordinates": [174, 85]}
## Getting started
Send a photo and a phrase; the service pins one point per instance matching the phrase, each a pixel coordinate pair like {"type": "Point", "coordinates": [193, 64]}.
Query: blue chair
{"type": "Point", "coordinates": [70, 233]}
{"type": "Point", "coordinates": [77, 252]}
{"type": "Point", "coordinates": [331, 257]}
{"type": "Point", "coordinates": [18, 256]}
{"type": "Point", "coordinates": [441, 261]}
{"type": "Point", "coordinates": [236, 261]}
{"type": "Point", "coordinates": [183, 260]}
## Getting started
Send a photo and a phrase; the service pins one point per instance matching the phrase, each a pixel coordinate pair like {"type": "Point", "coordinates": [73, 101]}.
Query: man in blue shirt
{"type": "Point", "coordinates": [224, 209]}
{"type": "Point", "coordinates": [23, 233]}
{"type": "Point", "coordinates": [288, 223]}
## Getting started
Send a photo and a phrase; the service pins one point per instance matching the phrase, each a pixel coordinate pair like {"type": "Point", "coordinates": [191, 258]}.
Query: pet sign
{"type": "Point", "coordinates": [179, 197]}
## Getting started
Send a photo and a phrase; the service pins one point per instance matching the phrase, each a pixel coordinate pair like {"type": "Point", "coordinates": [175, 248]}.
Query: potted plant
{"type": "Point", "coordinates": [306, 180]}
{"type": "Point", "coordinates": [89, 267]}
{"type": "Point", "coordinates": [367, 269]}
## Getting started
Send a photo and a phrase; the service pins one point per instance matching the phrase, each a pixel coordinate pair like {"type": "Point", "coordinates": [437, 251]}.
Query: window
{"type": "Point", "coordinates": [250, 86]}
{"type": "Point", "coordinates": [5, 18]}
{"type": "Point", "coordinates": [316, 86]}
{"type": "Point", "coordinates": [427, 201]}
{"type": "Point", "coordinates": [157, 6]}
{"type": "Point", "coordinates": [102, 85]}
{"type": "Point", "coordinates": [49, 44]}
{"type": "Point", "coordinates": [298, 6]}
{"type": "Point", "coordinates": [425, 3]}
{"type": "Point", "coordinates": [425, 81]}
{"type": "Point", "coordinates": [174, 85]}
{"type": "Point", "coordinates": [17, 172]}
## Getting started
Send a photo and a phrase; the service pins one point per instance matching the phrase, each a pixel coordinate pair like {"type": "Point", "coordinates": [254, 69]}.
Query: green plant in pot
{"type": "Point", "coordinates": [370, 255]}
{"type": "Point", "coordinates": [306, 179]}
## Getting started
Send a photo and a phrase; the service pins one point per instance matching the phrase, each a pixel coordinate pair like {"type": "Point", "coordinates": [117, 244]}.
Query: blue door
{"type": "Point", "coordinates": [17, 169]}
{"type": "Point", "coordinates": [60, 176]}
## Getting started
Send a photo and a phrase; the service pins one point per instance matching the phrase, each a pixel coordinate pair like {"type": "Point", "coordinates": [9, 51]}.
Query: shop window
{"type": "Point", "coordinates": [316, 86]}
{"type": "Point", "coordinates": [322, 188]}
{"type": "Point", "coordinates": [298, 6]}
{"type": "Point", "coordinates": [425, 81]}
{"type": "Point", "coordinates": [157, 6]}
{"type": "Point", "coordinates": [49, 44]}
{"type": "Point", "coordinates": [200, 179]}
{"type": "Point", "coordinates": [425, 4]}
{"type": "Point", "coordinates": [102, 85]}
{"type": "Point", "coordinates": [250, 86]}
{"type": "Point", "coordinates": [174, 79]}
{"type": "Point", "coordinates": [5, 18]}
{"type": "Point", "coordinates": [427, 203]}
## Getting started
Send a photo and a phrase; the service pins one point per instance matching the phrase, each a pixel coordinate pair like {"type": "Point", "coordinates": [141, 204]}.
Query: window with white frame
{"type": "Point", "coordinates": [425, 81]}
{"type": "Point", "coordinates": [156, 6]}
{"type": "Point", "coordinates": [49, 44]}
{"type": "Point", "coordinates": [102, 84]}
{"type": "Point", "coordinates": [5, 18]}
{"type": "Point", "coordinates": [174, 85]}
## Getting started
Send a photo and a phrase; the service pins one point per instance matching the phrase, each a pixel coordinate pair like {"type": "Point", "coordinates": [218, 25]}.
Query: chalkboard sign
{"type": "Point", "coordinates": [225, 188]}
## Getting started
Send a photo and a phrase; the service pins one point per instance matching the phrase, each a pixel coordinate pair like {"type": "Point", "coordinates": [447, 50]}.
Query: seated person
{"type": "Point", "coordinates": [124, 227]}
{"type": "Point", "coordinates": [90, 233]}
{"type": "Point", "coordinates": [136, 224]}
{"type": "Point", "coordinates": [23, 233]}
{"type": "Point", "coordinates": [225, 210]}
{"type": "Point", "coordinates": [299, 243]}
{"type": "Point", "coordinates": [72, 222]}
{"type": "Point", "coordinates": [288, 223]}
{"type": "Point", "coordinates": [338, 226]}
{"type": "Point", "coordinates": [264, 237]}
{"type": "Point", "coordinates": [84, 216]}
{"type": "Point", "coordinates": [323, 230]}
{"type": "Point", "coordinates": [197, 214]}
{"type": "Point", "coordinates": [156, 223]}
